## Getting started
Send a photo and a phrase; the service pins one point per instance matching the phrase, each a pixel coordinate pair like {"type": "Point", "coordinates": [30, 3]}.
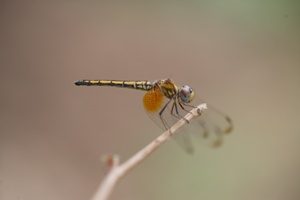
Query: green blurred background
{"type": "Point", "coordinates": [241, 56]}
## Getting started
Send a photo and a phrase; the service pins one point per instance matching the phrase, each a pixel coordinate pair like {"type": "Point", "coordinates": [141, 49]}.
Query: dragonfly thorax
{"type": "Point", "coordinates": [167, 87]}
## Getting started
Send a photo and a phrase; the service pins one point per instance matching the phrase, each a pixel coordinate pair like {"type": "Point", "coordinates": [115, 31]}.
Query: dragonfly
{"type": "Point", "coordinates": [166, 103]}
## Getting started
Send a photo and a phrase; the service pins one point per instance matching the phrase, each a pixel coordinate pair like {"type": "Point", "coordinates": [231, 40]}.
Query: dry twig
{"type": "Point", "coordinates": [117, 171]}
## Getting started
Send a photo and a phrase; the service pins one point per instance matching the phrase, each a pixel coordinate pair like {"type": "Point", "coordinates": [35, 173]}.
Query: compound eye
{"type": "Point", "coordinates": [186, 94]}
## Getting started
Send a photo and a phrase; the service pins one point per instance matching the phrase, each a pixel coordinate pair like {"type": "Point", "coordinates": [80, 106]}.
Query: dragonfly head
{"type": "Point", "coordinates": [186, 94]}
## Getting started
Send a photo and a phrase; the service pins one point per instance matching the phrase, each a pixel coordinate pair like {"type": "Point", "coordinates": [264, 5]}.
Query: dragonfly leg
{"type": "Point", "coordinates": [183, 108]}
{"type": "Point", "coordinates": [177, 115]}
{"type": "Point", "coordinates": [172, 110]}
{"type": "Point", "coordinates": [176, 108]}
{"type": "Point", "coordinates": [161, 117]}
{"type": "Point", "coordinates": [188, 105]}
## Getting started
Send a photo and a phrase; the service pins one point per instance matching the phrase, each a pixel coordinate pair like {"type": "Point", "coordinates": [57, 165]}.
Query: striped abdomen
{"type": "Point", "coordinates": [139, 85]}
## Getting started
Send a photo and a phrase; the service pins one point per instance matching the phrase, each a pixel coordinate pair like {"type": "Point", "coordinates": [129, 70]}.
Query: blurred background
{"type": "Point", "coordinates": [241, 56]}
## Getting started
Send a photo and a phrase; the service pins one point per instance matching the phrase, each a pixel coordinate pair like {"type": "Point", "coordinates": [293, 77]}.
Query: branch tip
{"type": "Point", "coordinates": [110, 160]}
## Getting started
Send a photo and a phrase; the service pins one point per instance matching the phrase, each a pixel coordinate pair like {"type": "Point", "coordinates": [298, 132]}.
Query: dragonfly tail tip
{"type": "Point", "coordinates": [78, 82]}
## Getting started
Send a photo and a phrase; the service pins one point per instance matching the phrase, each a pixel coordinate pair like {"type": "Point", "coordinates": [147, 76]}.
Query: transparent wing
{"type": "Point", "coordinates": [168, 118]}
{"type": "Point", "coordinates": [209, 128]}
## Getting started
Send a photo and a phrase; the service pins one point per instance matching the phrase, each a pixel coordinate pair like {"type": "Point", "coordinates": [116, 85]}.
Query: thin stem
{"type": "Point", "coordinates": [117, 171]}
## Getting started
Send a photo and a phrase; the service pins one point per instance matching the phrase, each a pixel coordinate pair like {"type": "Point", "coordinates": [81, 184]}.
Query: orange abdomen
{"type": "Point", "coordinates": [153, 100]}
